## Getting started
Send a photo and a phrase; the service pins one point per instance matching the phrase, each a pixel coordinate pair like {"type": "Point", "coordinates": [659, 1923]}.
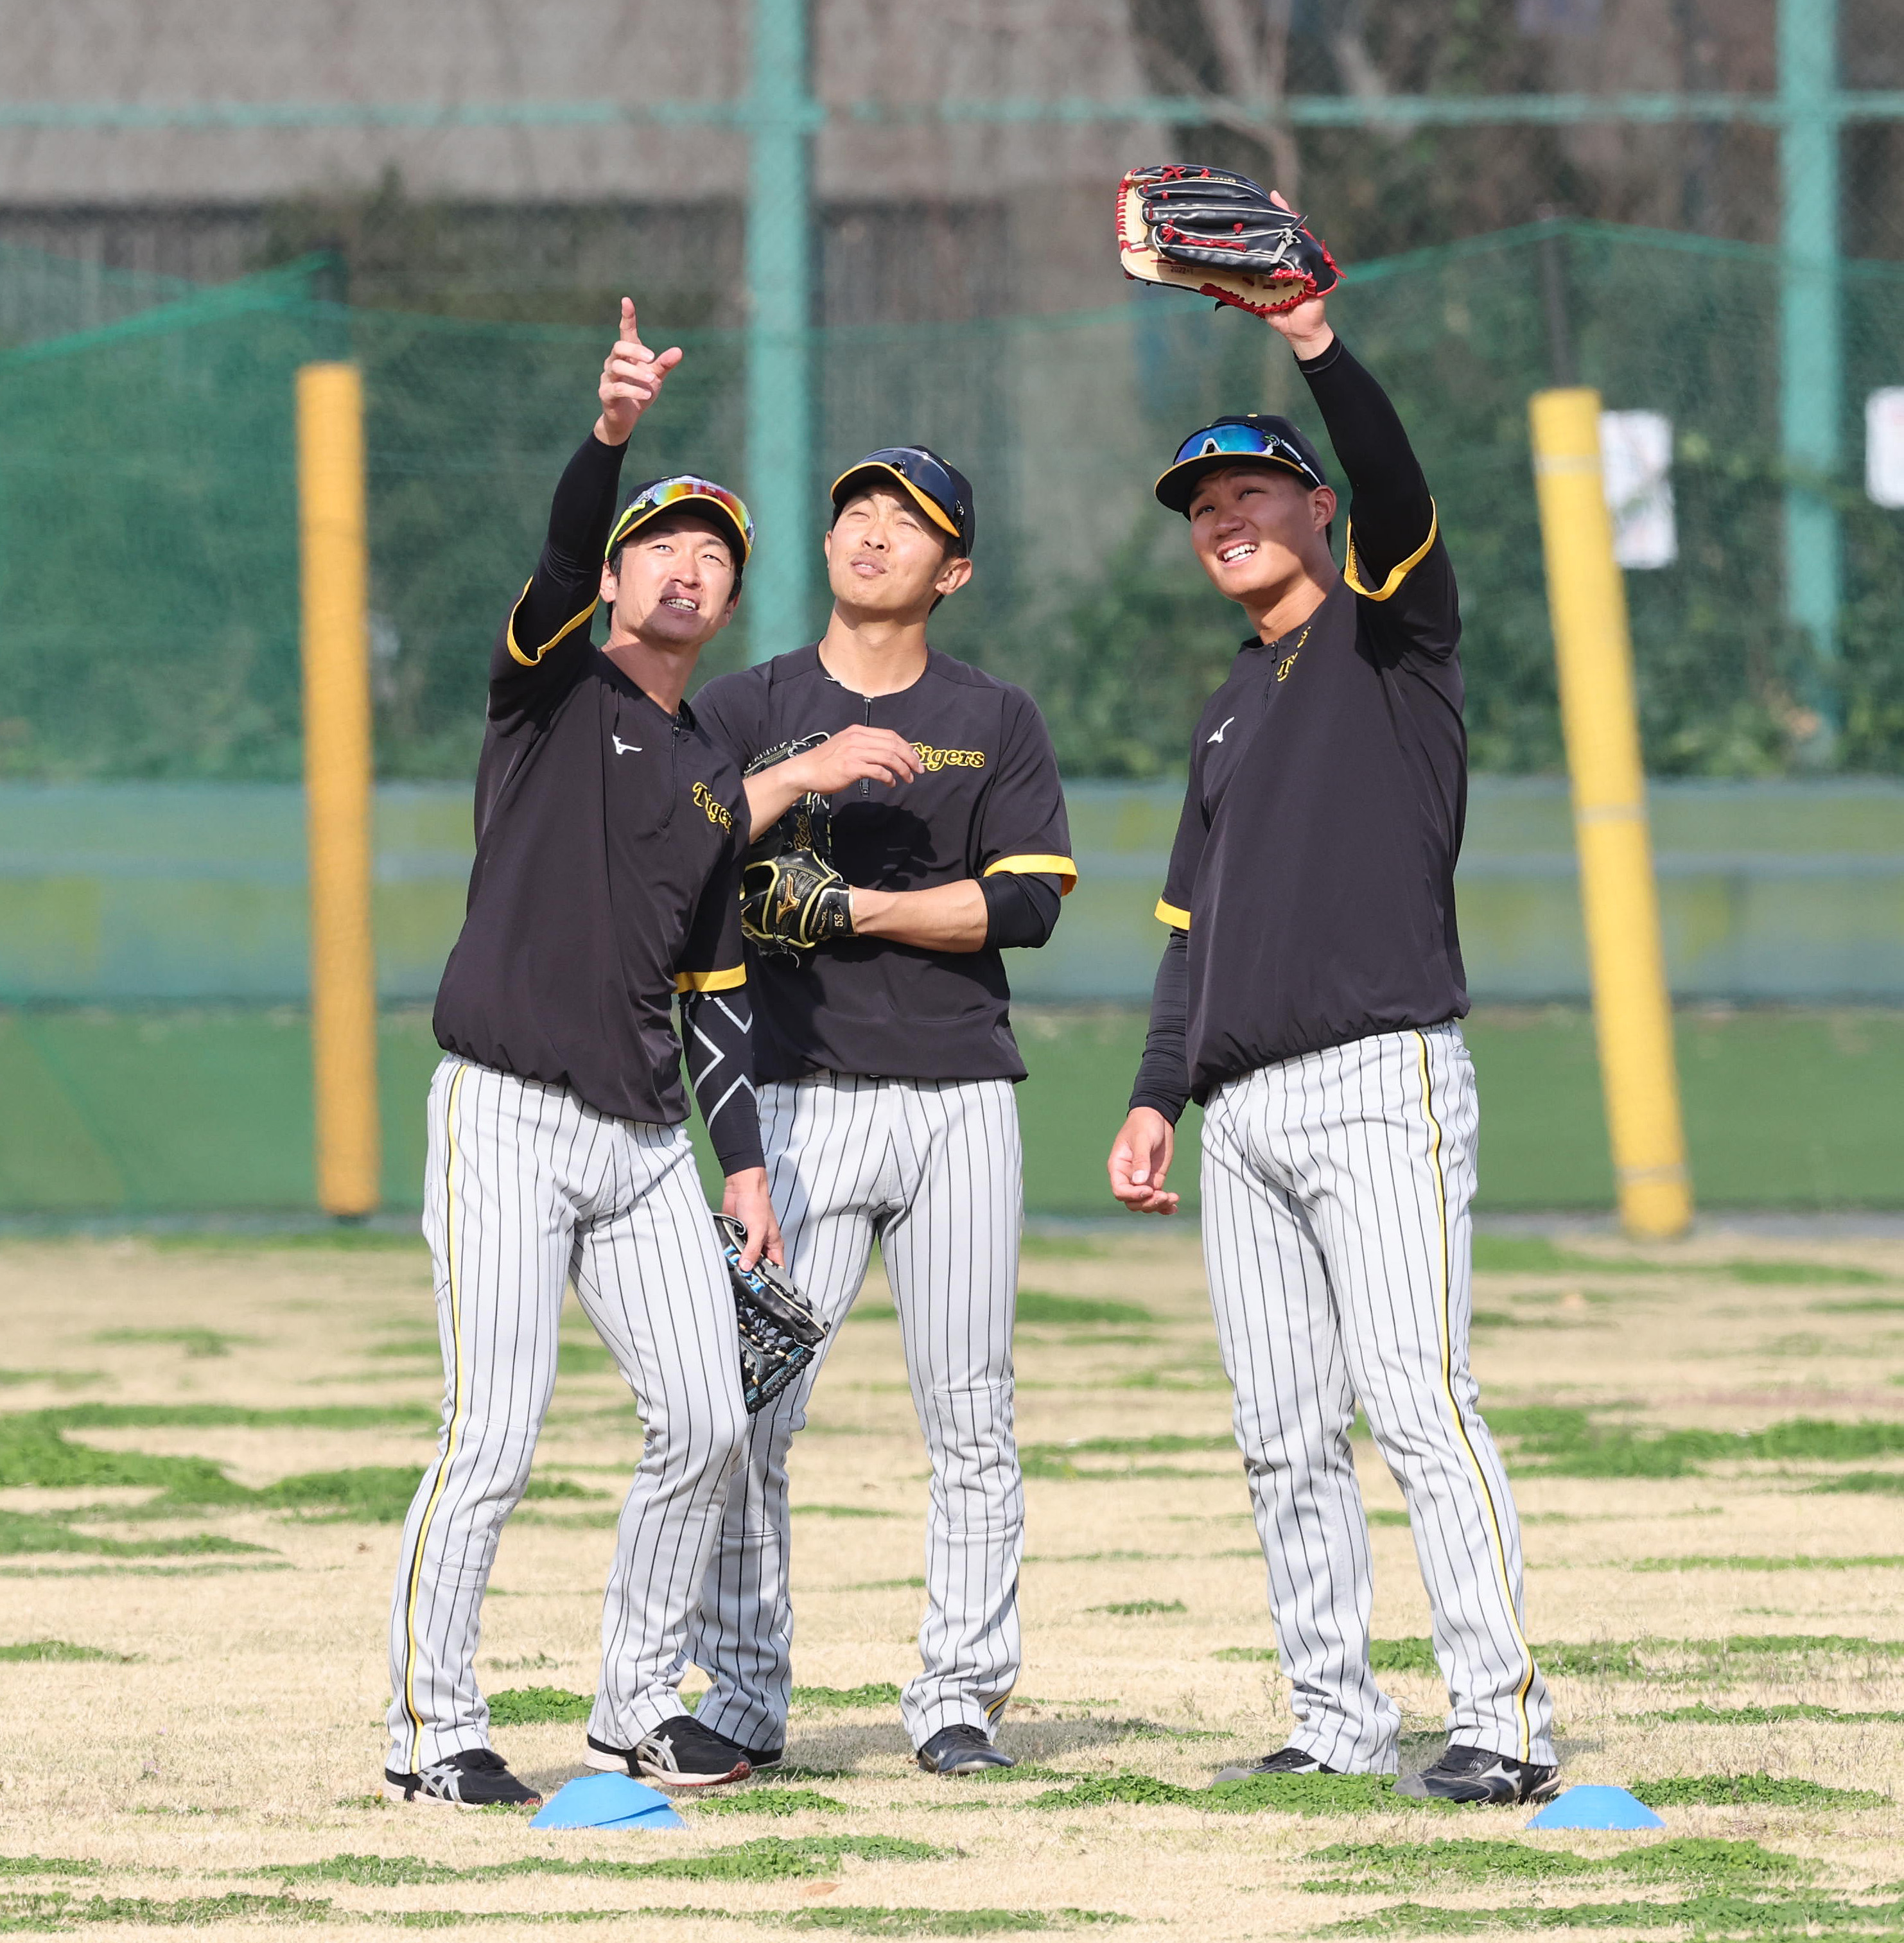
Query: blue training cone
{"type": "Point", "coordinates": [605, 1801]}
{"type": "Point", "coordinates": [1596, 1808]}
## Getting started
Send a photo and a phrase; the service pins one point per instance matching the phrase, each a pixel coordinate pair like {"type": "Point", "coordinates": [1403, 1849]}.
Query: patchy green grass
{"type": "Point", "coordinates": [1285, 1794]}
{"type": "Point", "coordinates": [53, 1649]}
{"type": "Point", "coordinates": [1572, 1443]}
{"type": "Point", "coordinates": [61, 1911]}
{"type": "Point", "coordinates": [1802, 1561]}
{"type": "Point", "coordinates": [1760, 1790]}
{"type": "Point", "coordinates": [195, 1343]}
{"type": "Point", "coordinates": [1623, 1659]}
{"type": "Point", "coordinates": [60, 1380]}
{"type": "Point", "coordinates": [1711, 1913]}
{"type": "Point", "coordinates": [841, 1511]}
{"type": "Point", "coordinates": [1134, 1608]}
{"type": "Point", "coordinates": [584, 1356]}
{"type": "Point", "coordinates": [201, 1416]}
{"type": "Point", "coordinates": [1533, 1254]}
{"type": "Point", "coordinates": [1061, 1248]}
{"type": "Point", "coordinates": [47, 1865]}
{"type": "Point", "coordinates": [874, 1693]}
{"type": "Point", "coordinates": [1704, 1716]}
{"type": "Point", "coordinates": [766, 1858]}
{"type": "Point", "coordinates": [776, 1801]}
{"type": "Point", "coordinates": [1869, 1305]}
{"type": "Point", "coordinates": [348, 1238]}
{"type": "Point", "coordinates": [1366, 1867]}
{"type": "Point", "coordinates": [1060, 1460]}
{"type": "Point", "coordinates": [25, 1533]}
{"type": "Point", "coordinates": [36, 1450]}
{"type": "Point", "coordinates": [1888, 1484]}
{"type": "Point", "coordinates": [865, 1921]}
{"type": "Point", "coordinates": [1038, 1306]}
{"type": "Point", "coordinates": [536, 1706]}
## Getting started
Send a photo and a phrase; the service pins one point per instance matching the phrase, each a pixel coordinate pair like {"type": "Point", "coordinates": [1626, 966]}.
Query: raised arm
{"type": "Point", "coordinates": [1392, 516]}
{"type": "Point", "coordinates": [546, 633]}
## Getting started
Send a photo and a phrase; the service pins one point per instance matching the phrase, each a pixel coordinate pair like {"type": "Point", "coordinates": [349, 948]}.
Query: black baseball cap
{"type": "Point", "coordinates": [942, 491]}
{"type": "Point", "coordinates": [1255, 438]}
{"type": "Point", "coordinates": [683, 492]}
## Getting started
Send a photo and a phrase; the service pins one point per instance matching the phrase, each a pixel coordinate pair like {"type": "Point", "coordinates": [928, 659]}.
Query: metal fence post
{"type": "Point", "coordinates": [1811, 328]}
{"type": "Point", "coordinates": [779, 117]}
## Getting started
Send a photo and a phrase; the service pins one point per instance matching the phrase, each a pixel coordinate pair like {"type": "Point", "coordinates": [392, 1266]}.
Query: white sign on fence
{"type": "Point", "coordinates": [1636, 470]}
{"type": "Point", "coordinates": [1883, 445]}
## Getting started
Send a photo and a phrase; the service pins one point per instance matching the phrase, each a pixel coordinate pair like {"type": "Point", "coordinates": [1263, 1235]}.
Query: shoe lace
{"type": "Point", "coordinates": [480, 1760]}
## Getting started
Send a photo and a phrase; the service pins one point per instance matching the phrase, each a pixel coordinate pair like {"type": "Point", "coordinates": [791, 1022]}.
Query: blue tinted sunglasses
{"type": "Point", "coordinates": [1246, 441]}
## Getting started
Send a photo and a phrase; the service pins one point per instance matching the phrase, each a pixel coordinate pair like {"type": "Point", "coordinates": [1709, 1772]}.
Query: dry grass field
{"type": "Point", "coordinates": [205, 1447]}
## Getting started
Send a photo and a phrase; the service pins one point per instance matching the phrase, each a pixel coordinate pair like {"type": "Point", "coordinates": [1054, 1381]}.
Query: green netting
{"type": "Point", "coordinates": [148, 578]}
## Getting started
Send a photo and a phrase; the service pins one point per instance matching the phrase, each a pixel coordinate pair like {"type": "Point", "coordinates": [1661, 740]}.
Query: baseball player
{"type": "Point", "coordinates": [1309, 998]}
{"type": "Point", "coordinates": [887, 1065]}
{"type": "Point", "coordinates": [608, 830]}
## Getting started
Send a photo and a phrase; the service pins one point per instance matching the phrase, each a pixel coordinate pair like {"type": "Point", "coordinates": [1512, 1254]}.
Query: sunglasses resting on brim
{"type": "Point", "coordinates": [1245, 441]}
{"type": "Point", "coordinates": [685, 490]}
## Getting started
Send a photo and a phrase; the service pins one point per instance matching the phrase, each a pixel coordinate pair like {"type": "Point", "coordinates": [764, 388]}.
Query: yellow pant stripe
{"type": "Point", "coordinates": [459, 1406]}
{"type": "Point", "coordinates": [1445, 1319]}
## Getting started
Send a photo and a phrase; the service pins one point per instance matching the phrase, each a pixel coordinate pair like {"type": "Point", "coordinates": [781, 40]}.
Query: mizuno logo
{"type": "Point", "coordinates": [625, 748]}
{"type": "Point", "coordinates": [1219, 736]}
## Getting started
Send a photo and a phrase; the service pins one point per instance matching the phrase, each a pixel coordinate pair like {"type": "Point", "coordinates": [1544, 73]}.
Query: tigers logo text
{"type": "Point", "coordinates": [712, 807]}
{"type": "Point", "coordinates": [935, 760]}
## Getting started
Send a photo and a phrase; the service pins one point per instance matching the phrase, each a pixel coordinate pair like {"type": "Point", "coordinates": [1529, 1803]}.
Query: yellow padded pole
{"type": "Point", "coordinates": [337, 776]}
{"type": "Point", "coordinates": [1632, 1012]}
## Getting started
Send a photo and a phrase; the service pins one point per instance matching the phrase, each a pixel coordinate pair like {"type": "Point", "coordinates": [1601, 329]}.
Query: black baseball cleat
{"type": "Point", "coordinates": [477, 1778]}
{"type": "Point", "coordinates": [962, 1749]}
{"type": "Point", "coordinates": [1481, 1777]}
{"type": "Point", "coordinates": [1285, 1761]}
{"type": "Point", "coordinates": [680, 1753]}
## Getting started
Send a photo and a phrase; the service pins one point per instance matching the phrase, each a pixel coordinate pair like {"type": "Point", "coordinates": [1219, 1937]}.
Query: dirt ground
{"type": "Point", "coordinates": [233, 1727]}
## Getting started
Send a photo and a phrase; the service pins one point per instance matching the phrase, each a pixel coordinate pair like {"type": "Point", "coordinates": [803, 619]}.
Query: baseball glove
{"type": "Point", "coordinates": [805, 824]}
{"type": "Point", "coordinates": [1194, 228]}
{"type": "Point", "coordinates": [780, 1334]}
{"type": "Point", "coordinates": [794, 902]}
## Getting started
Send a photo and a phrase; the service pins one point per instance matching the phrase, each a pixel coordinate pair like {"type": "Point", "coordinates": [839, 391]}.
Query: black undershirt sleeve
{"type": "Point", "coordinates": [1163, 1074]}
{"type": "Point", "coordinates": [1391, 508]}
{"type": "Point", "coordinates": [717, 1036]}
{"type": "Point", "coordinates": [1020, 909]}
{"type": "Point", "coordinates": [580, 519]}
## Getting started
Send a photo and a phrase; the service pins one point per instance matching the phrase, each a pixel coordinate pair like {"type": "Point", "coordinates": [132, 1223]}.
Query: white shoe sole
{"type": "Point", "coordinates": [611, 1763]}
{"type": "Point", "coordinates": [422, 1798]}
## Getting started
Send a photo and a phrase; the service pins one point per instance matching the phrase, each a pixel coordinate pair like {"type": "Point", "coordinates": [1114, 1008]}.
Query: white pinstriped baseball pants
{"type": "Point", "coordinates": [1337, 1239]}
{"type": "Point", "coordinates": [527, 1186]}
{"type": "Point", "coordinates": [933, 1169]}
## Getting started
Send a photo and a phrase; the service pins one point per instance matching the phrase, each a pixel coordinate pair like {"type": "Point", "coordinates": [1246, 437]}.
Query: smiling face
{"type": "Point", "coordinates": [886, 560]}
{"type": "Point", "coordinates": [1258, 528]}
{"type": "Point", "coordinates": [672, 585]}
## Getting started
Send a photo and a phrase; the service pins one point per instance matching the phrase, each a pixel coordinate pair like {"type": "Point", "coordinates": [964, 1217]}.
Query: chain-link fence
{"type": "Point", "coordinates": [148, 565]}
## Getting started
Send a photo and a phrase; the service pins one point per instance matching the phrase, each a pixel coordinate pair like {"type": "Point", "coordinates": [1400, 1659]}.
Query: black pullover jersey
{"type": "Point", "coordinates": [608, 842]}
{"type": "Point", "coordinates": [1313, 869]}
{"type": "Point", "coordinates": [989, 802]}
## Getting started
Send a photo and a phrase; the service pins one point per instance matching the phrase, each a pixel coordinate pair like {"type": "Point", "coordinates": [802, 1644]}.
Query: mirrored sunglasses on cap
{"type": "Point", "coordinates": [1245, 441]}
{"type": "Point", "coordinates": [931, 483]}
{"type": "Point", "coordinates": [685, 489]}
